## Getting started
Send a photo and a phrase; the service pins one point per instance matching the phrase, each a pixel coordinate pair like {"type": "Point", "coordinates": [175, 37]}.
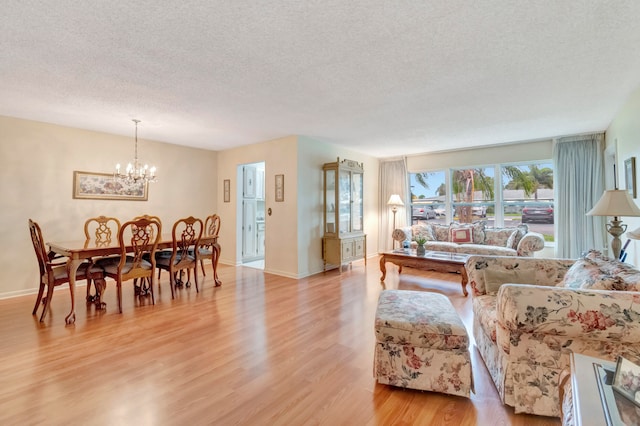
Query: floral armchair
{"type": "Point", "coordinates": [525, 330]}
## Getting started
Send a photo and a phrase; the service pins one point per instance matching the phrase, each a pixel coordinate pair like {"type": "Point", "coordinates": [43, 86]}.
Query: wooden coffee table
{"type": "Point", "coordinates": [430, 261]}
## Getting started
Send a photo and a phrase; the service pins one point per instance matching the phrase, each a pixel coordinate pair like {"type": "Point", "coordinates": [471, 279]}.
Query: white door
{"type": "Point", "coordinates": [249, 232]}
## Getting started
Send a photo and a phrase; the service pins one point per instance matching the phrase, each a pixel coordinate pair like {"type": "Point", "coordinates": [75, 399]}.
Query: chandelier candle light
{"type": "Point", "coordinates": [135, 172]}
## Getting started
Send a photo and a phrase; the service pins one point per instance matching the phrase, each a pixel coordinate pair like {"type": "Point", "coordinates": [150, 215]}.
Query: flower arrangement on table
{"type": "Point", "coordinates": [420, 240]}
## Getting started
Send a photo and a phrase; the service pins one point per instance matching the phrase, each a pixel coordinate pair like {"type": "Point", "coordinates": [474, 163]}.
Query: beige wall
{"type": "Point", "coordinates": [623, 135]}
{"type": "Point", "coordinates": [279, 157]}
{"type": "Point", "coordinates": [293, 231]}
{"type": "Point", "coordinates": [509, 153]}
{"type": "Point", "coordinates": [36, 177]}
{"type": "Point", "coordinates": [311, 156]}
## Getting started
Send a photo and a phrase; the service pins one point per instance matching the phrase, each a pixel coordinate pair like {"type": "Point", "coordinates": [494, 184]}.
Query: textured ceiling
{"type": "Point", "coordinates": [377, 76]}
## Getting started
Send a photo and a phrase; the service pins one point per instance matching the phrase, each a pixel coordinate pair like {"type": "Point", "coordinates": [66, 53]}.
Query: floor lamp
{"type": "Point", "coordinates": [394, 201]}
{"type": "Point", "coordinates": [615, 203]}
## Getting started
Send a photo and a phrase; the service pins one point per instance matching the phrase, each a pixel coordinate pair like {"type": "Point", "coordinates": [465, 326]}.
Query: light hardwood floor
{"type": "Point", "coordinates": [260, 350]}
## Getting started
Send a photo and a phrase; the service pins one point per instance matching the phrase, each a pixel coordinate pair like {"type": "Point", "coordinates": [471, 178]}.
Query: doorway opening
{"type": "Point", "coordinates": [253, 214]}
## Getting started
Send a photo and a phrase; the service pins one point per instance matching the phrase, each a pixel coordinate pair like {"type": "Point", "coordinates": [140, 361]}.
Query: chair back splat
{"type": "Point", "coordinates": [186, 234]}
{"type": "Point", "coordinates": [136, 238]}
{"type": "Point", "coordinates": [99, 231]}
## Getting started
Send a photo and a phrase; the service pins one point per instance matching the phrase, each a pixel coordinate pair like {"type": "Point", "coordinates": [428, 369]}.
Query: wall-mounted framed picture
{"type": "Point", "coordinates": [227, 190]}
{"type": "Point", "coordinates": [103, 186]}
{"type": "Point", "coordinates": [630, 176]}
{"type": "Point", "coordinates": [279, 188]}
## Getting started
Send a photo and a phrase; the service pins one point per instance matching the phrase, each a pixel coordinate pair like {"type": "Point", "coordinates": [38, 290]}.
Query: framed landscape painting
{"type": "Point", "coordinates": [103, 186]}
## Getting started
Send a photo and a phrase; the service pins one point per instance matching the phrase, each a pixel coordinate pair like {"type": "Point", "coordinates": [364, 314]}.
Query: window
{"type": "Point", "coordinates": [502, 195]}
{"type": "Point", "coordinates": [473, 192]}
{"type": "Point", "coordinates": [527, 194]}
{"type": "Point", "coordinates": [428, 195]}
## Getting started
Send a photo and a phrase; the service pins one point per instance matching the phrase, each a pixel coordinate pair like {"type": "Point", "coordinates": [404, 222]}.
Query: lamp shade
{"type": "Point", "coordinates": [395, 200]}
{"type": "Point", "coordinates": [634, 235]}
{"type": "Point", "coordinates": [615, 202]}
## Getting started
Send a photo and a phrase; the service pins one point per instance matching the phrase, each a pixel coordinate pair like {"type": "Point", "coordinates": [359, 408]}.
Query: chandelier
{"type": "Point", "coordinates": [135, 171]}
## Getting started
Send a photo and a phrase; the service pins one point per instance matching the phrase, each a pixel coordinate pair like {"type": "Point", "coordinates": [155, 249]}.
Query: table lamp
{"type": "Point", "coordinates": [616, 203]}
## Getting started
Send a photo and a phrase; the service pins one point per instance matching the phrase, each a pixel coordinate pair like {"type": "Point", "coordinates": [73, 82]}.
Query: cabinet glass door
{"type": "Point", "coordinates": [330, 201]}
{"type": "Point", "coordinates": [345, 202]}
{"type": "Point", "coordinates": [357, 201]}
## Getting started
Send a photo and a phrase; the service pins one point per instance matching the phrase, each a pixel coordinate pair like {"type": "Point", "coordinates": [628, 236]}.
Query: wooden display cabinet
{"type": "Point", "coordinates": [344, 239]}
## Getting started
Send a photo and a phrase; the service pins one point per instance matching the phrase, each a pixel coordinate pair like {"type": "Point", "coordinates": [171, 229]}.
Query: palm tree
{"type": "Point", "coordinates": [529, 181]}
{"type": "Point", "coordinates": [519, 179]}
{"type": "Point", "coordinates": [421, 178]}
{"type": "Point", "coordinates": [543, 178]}
{"type": "Point", "coordinates": [464, 183]}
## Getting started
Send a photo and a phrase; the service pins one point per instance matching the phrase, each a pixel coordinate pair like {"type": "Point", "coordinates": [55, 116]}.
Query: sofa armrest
{"type": "Point", "coordinates": [581, 314]}
{"type": "Point", "coordinates": [530, 243]}
{"type": "Point", "coordinates": [549, 272]}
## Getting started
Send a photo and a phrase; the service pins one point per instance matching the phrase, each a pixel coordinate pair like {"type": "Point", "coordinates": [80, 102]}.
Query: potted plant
{"type": "Point", "coordinates": [421, 242]}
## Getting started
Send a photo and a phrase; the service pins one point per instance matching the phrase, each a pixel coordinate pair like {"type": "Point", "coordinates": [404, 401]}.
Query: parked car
{"type": "Point", "coordinates": [540, 213]}
{"type": "Point", "coordinates": [423, 212]}
{"type": "Point", "coordinates": [480, 211]}
{"type": "Point", "coordinates": [439, 209]}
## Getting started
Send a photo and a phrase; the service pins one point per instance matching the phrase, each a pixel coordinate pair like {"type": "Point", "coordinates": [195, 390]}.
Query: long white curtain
{"type": "Point", "coordinates": [579, 184]}
{"type": "Point", "coordinates": [393, 180]}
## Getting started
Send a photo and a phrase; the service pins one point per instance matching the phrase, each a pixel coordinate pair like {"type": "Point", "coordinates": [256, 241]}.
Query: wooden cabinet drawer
{"type": "Point", "coordinates": [347, 250]}
{"type": "Point", "coordinates": [359, 248]}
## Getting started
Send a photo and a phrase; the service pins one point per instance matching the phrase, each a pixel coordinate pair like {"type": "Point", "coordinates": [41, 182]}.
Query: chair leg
{"type": "Point", "coordinates": [39, 299]}
{"type": "Point", "coordinates": [151, 281]}
{"type": "Point", "coordinates": [47, 302]}
{"type": "Point", "coordinates": [172, 283]}
{"type": "Point", "coordinates": [119, 285]}
{"type": "Point", "coordinates": [202, 267]}
{"type": "Point", "coordinates": [195, 277]}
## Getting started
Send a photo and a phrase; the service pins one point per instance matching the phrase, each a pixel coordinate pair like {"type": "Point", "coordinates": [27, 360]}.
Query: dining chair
{"type": "Point", "coordinates": [143, 288]}
{"type": "Point", "coordinates": [186, 234]}
{"type": "Point", "coordinates": [53, 274]}
{"type": "Point", "coordinates": [210, 250]}
{"type": "Point", "coordinates": [101, 230]}
{"type": "Point", "coordinates": [136, 238]}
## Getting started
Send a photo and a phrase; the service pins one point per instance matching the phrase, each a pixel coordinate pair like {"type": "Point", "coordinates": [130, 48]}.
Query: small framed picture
{"type": "Point", "coordinates": [227, 190]}
{"type": "Point", "coordinates": [626, 380]}
{"type": "Point", "coordinates": [630, 176]}
{"type": "Point", "coordinates": [279, 188]}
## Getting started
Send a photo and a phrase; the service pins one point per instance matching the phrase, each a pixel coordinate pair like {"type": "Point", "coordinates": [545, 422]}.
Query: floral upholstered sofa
{"type": "Point", "coordinates": [473, 238]}
{"type": "Point", "coordinates": [529, 313]}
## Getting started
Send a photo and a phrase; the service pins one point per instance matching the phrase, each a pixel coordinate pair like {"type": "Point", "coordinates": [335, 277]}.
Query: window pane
{"type": "Point", "coordinates": [528, 197]}
{"type": "Point", "coordinates": [473, 194]}
{"type": "Point", "coordinates": [428, 192]}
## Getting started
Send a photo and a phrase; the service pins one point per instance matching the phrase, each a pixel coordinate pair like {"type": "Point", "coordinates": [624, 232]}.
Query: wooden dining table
{"type": "Point", "coordinates": [79, 251]}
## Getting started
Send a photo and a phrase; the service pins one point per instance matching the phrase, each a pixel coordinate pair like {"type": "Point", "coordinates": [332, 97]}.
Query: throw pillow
{"type": "Point", "coordinates": [511, 241]}
{"type": "Point", "coordinates": [478, 229]}
{"type": "Point", "coordinates": [629, 277]}
{"type": "Point", "coordinates": [423, 231]}
{"type": "Point", "coordinates": [399, 235]}
{"type": "Point", "coordinates": [441, 232]}
{"type": "Point", "coordinates": [586, 274]}
{"type": "Point", "coordinates": [498, 236]}
{"type": "Point", "coordinates": [522, 231]}
{"type": "Point", "coordinates": [493, 278]}
{"type": "Point", "coordinates": [461, 235]}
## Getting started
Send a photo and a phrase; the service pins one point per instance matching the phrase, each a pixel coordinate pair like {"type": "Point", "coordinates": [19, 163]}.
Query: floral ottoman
{"type": "Point", "coordinates": [421, 343]}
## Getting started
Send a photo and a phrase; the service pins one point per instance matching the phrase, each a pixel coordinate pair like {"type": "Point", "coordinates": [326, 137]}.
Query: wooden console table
{"type": "Point", "coordinates": [430, 261]}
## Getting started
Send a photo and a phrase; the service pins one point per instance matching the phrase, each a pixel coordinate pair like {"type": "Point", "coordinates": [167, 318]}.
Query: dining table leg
{"type": "Point", "coordinates": [72, 269]}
